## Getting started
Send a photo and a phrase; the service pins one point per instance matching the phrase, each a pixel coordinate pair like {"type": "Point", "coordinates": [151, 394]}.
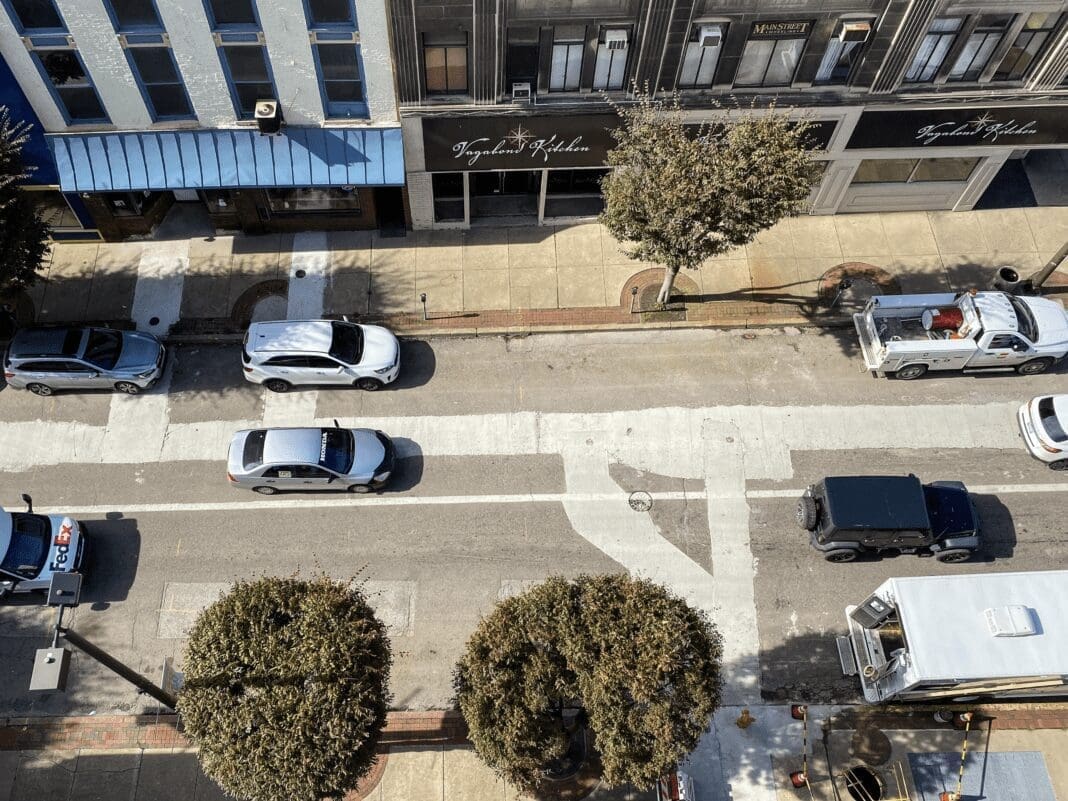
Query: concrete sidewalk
{"type": "Point", "coordinates": [491, 280]}
{"type": "Point", "coordinates": [1016, 752]}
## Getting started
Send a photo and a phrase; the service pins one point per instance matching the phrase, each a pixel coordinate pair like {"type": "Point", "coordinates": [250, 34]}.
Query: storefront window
{"type": "Point", "coordinates": [901, 171]}
{"type": "Point", "coordinates": [448, 196]}
{"type": "Point", "coordinates": [933, 50]}
{"type": "Point", "coordinates": [574, 193]}
{"type": "Point", "coordinates": [702, 55]}
{"type": "Point", "coordinates": [128, 204]}
{"type": "Point", "coordinates": [54, 209]}
{"type": "Point", "coordinates": [977, 50]}
{"type": "Point", "coordinates": [1028, 45]}
{"type": "Point", "coordinates": [314, 199]}
{"type": "Point", "coordinates": [771, 54]}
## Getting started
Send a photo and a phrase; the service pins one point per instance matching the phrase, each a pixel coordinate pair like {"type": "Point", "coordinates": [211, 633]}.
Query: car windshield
{"type": "Point", "coordinates": [337, 450]}
{"type": "Point", "coordinates": [103, 348]}
{"type": "Point", "coordinates": [29, 545]}
{"type": "Point", "coordinates": [1050, 421]}
{"type": "Point", "coordinates": [1024, 319]}
{"type": "Point", "coordinates": [347, 344]}
{"type": "Point", "coordinates": [950, 511]}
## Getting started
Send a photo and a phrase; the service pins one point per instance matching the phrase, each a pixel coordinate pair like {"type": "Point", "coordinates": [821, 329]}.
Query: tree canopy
{"type": "Point", "coordinates": [641, 663]}
{"type": "Point", "coordinates": [680, 194]}
{"type": "Point", "coordinates": [23, 234]}
{"type": "Point", "coordinates": [285, 689]}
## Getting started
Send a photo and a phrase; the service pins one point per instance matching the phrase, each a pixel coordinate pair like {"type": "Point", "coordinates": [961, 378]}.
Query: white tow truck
{"type": "Point", "coordinates": [959, 638]}
{"type": "Point", "coordinates": [907, 335]}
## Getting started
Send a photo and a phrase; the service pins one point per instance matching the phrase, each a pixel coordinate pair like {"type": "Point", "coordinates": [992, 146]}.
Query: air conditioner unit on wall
{"type": "Point", "coordinates": [855, 31]}
{"type": "Point", "coordinates": [710, 35]}
{"type": "Point", "coordinates": [521, 92]}
{"type": "Point", "coordinates": [615, 39]}
{"type": "Point", "coordinates": [268, 116]}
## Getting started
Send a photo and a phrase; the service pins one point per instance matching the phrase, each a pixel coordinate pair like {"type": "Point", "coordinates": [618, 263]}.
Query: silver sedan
{"type": "Point", "coordinates": [268, 460]}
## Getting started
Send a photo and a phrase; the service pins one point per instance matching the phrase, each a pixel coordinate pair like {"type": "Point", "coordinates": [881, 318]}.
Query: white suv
{"type": "Point", "coordinates": [288, 353]}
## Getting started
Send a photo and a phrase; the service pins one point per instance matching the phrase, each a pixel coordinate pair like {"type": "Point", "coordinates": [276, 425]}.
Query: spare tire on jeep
{"type": "Point", "coordinates": [806, 512]}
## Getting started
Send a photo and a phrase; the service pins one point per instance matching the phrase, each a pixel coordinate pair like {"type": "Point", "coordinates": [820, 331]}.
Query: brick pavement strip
{"type": "Point", "coordinates": [153, 732]}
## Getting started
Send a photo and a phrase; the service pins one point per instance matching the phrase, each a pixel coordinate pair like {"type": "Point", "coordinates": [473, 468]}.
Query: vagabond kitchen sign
{"type": "Point", "coordinates": [532, 143]}
{"type": "Point", "coordinates": [517, 143]}
{"type": "Point", "coordinates": [1005, 127]}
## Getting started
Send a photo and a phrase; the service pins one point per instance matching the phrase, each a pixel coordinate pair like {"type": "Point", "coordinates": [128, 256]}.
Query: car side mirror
{"type": "Point", "coordinates": [26, 499]}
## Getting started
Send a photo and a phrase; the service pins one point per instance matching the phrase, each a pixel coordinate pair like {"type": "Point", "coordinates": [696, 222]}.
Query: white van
{"type": "Point", "coordinates": [33, 547]}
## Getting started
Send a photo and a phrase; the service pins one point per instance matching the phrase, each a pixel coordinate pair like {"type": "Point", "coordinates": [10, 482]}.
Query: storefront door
{"type": "Point", "coordinates": [512, 193]}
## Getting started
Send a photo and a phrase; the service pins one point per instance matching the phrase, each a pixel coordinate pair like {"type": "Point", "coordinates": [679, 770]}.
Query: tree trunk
{"type": "Point", "coordinates": [669, 281]}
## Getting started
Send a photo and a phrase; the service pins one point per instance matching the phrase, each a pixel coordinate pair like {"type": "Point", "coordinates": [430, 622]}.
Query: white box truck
{"type": "Point", "coordinates": [908, 335]}
{"type": "Point", "coordinates": [959, 638]}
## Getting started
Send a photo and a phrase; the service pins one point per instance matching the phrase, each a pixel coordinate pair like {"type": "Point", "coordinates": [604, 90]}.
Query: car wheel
{"type": "Point", "coordinates": [841, 555]}
{"type": "Point", "coordinates": [806, 513]}
{"type": "Point", "coordinates": [911, 371]}
{"type": "Point", "coordinates": [1034, 367]}
{"type": "Point", "coordinates": [953, 555]}
{"type": "Point", "coordinates": [1059, 465]}
{"type": "Point", "coordinates": [265, 490]}
{"type": "Point", "coordinates": [276, 385]}
{"type": "Point", "coordinates": [369, 384]}
{"type": "Point", "coordinates": [128, 387]}
{"type": "Point", "coordinates": [360, 489]}
{"type": "Point", "coordinates": [40, 389]}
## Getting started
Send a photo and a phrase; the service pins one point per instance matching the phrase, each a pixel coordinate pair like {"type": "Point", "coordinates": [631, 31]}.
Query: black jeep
{"type": "Point", "coordinates": [850, 515]}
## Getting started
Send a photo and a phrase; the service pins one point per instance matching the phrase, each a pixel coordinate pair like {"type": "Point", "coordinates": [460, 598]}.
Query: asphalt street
{"type": "Point", "coordinates": [520, 457]}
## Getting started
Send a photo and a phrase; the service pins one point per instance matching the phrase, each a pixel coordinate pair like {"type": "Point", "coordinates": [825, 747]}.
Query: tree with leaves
{"type": "Point", "coordinates": [678, 194]}
{"type": "Point", "coordinates": [286, 688]}
{"type": "Point", "coordinates": [23, 234]}
{"type": "Point", "coordinates": [641, 664]}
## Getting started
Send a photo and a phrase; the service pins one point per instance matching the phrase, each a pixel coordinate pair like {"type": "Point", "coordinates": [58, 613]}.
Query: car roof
{"type": "Point", "coordinates": [876, 502]}
{"type": "Point", "coordinates": [29, 342]}
{"type": "Point", "coordinates": [304, 336]}
{"type": "Point", "coordinates": [292, 445]}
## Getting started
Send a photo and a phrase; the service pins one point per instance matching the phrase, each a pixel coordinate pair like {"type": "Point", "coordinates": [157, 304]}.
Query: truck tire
{"type": "Point", "coordinates": [911, 371]}
{"type": "Point", "coordinates": [953, 555]}
{"type": "Point", "coordinates": [1034, 367]}
{"type": "Point", "coordinates": [840, 555]}
{"type": "Point", "coordinates": [806, 512]}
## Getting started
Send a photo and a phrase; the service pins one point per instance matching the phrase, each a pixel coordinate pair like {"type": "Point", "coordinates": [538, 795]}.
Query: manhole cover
{"type": "Point", "coordinates": [863, 784]}
{"type": "Point", "coordinates": [640, 501]}
{"type": "Point", "coordinates": [871, 745]}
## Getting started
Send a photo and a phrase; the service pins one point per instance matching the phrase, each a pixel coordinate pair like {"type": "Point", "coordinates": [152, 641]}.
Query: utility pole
{"type": "Point", "coordinates": [1040, 277]}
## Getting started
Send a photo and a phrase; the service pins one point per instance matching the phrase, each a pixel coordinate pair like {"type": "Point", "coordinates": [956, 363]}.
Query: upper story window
{"type": "Point", "coordinates": [445, 60]}
{"type": "Point", "coordinates": [134, 15]}
{"type": "Point", "coordinates": [36, 15]}
{"type": "Point", "coordinates": [843, 51]}
{"type": "Point", "coordinates": [612, 48]}
{"type": "Point", "coordinates": [331, 13]}
{"type": "Point", "coordinates": [64, 71]}
{"type": "Point", "coordinates": [702, 54]}
{"type": "Point", "coordinates": [772, 53]}
{"type": "Point", "coordinates": [1028, 44]}
{"type": "Point", "coordinates": [568, 45]}
{"type": "Point", "coordinates": [933, 49]}
{"type": "Point", "coordinates": [981, 43]}
{"type": "Point", "coordinates": [232, 14]}
{"type": "Point", "coordinates": [337, 57]}
{"type": "Point", "coordinates": [161, 83]}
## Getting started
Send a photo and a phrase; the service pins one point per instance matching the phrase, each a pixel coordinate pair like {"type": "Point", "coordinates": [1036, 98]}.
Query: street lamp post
{"type": "Point", "coordinates": [51, 665]}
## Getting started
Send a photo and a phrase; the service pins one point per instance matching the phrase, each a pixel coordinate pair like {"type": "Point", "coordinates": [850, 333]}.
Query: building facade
{"type": "Point", "coordinates": [917, 104]}
{"type": "Point", "coordinates": [272, 114]}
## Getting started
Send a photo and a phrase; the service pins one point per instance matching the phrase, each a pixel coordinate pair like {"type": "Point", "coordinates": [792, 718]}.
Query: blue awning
{"type": "Point", "coordinates": [228, 159]}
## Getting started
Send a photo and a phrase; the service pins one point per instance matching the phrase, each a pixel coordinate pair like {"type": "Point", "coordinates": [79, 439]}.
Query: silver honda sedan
{"type": "Point", "coordinates": [269, 460]}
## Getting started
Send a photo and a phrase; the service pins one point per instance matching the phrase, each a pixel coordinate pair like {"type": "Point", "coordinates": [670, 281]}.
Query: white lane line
{"type": "Point", "coordinates": [352, 501]}
{"type": "Point", "coordinates": [975, 489]}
